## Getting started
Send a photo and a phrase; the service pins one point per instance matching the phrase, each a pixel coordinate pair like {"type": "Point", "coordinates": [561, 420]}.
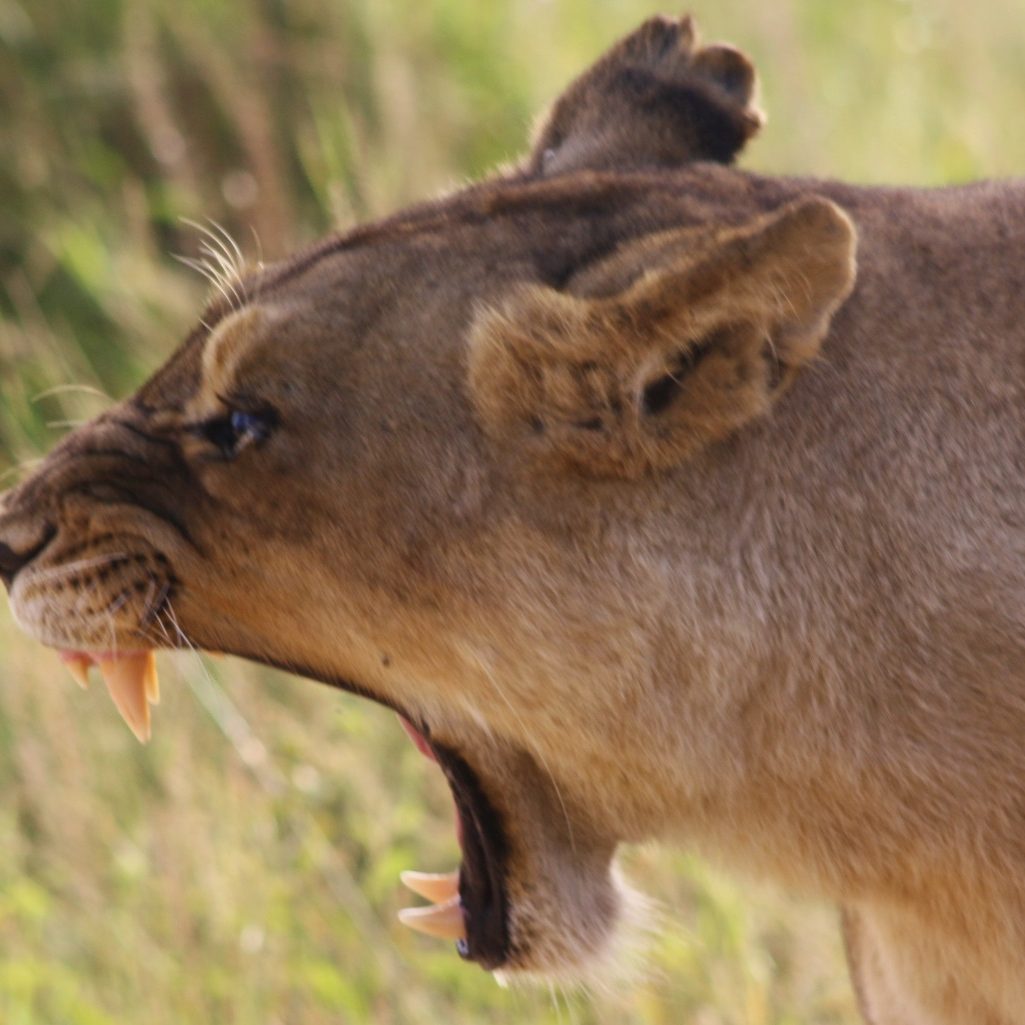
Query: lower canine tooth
{"type": "Point", "coordinates": [442, 920]}
{"type": "Point", "coordinates": [434, 887]}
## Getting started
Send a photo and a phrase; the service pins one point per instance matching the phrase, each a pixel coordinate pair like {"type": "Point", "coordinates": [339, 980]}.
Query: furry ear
{"type": "Point", "coordinates": [656, 99]}
{"type": "Point", "coordinates": [677, 341]}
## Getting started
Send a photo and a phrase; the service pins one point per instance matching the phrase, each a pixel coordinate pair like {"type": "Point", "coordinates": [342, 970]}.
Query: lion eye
{"type": "Point", "coordinates": [236, 430]}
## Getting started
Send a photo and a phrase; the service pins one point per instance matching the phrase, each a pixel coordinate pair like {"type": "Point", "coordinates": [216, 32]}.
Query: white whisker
{"type": "Point", "coordinates": [63, 389]}
{"type": "Point", "coordinates": [239, 259]}
{"type": "Point", "coordinates": [224, 270]}
{"type": "Point", "coordinates": [200, 267]}
{"type": "Point", "coordinates": [222, 261]}
{"type": "Point", "coordinates": [220, 265]}
{"type": "Point", "coordinates": [259, 247]}
{"type": "Point", "coordinates": [230, 259]}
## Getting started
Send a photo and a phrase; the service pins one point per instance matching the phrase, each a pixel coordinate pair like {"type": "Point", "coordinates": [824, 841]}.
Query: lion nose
{"type": "Point", "coordinates": [20, 543]}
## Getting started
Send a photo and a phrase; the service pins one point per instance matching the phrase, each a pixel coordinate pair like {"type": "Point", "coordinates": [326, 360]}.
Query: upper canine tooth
{"type": "Point", "coordinates": [78, 666]}
{"type": "Point", "coordinates": [125, 677]}
{"type": "Point", "coordinates": [435, 887]}
{"type": "Point", "coordinates": [151, 680]}
{"type": "Point", "coordinates": [443, 920]}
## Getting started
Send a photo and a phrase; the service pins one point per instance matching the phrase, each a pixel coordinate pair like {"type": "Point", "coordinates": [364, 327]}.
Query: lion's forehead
{"type": "Point", "coordinates": [416, 273]}
{"type": "Point", "coordinates": [543, 230]}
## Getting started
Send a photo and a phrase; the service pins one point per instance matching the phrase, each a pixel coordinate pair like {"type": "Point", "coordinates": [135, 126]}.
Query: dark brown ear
{"type": "Point", "coordinates": [684, 354]}
{"type": "Point", "coordinates": [656, 99]}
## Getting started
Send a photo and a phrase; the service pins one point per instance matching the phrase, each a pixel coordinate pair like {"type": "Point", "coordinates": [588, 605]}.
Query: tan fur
{"type": "Point", "coordinates": [788, 629]}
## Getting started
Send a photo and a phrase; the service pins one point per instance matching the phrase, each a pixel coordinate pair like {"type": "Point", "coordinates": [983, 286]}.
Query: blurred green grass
{"type": "Point", "coordinates": [243, 868]}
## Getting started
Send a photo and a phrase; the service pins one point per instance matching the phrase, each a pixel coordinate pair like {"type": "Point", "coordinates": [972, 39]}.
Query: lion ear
{"type": "Point", "coordinates": [666, 351]}
{"type": "Point", "coordinates": [656, 99]}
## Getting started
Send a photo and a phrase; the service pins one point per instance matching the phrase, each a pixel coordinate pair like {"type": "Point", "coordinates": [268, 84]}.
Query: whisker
{"type": "Point", "coordinates": [163, 629]}
{"type": "Point", "coordinates": [239, 260]}
{"type": "Point", "coordinates": [206, 232]}
{"type": "Point", "coordinates": [213, 247]}
{"type": "Point", "coordinates": [201, 268]}
{"type": "Point", "coordinates": [219, 246]}
{"type": "Point", "coordinates": [226, 273]}
{"type": "Point", "coordinates": [239, 255]}
{"type": "Point", "coordinates": [154, 600]}
{"type": "Point", "coordinates": [153, 617]}
{"type": "Point", "coordinates": [225, 267]}
{"type": "Point", "coordinates": [259, 247]}
{"type": "Point", "coordinates": [63, 389]}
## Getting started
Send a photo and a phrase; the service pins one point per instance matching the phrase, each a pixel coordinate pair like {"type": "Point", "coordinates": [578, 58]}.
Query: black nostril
{"type": "Point", "coordinates": [11, 561]}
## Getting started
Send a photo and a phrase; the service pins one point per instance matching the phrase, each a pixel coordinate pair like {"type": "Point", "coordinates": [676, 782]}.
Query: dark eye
{"type": "Point", "coordinates": [236, 430]}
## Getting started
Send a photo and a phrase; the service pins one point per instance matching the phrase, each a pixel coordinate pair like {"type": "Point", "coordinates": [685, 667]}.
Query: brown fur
{"type": "Point", "coordinates": [656, 98]}
{"type": "Point", "coordinates": [534, 480]}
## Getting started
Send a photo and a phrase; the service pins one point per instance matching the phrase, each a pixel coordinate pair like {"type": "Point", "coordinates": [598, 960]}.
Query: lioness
{"type": "Point", "coordinates": [651, 509]}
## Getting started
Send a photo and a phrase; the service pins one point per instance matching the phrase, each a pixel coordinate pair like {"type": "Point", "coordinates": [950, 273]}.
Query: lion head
{"type": "Point", "coordinates": [447, 461]}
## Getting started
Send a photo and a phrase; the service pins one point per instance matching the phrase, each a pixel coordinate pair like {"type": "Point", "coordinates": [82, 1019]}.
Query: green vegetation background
{"type": "Point", "coordinates": [243, 868]}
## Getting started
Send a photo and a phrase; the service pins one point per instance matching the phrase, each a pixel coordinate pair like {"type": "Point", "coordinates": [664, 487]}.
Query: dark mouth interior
{"type": "Point", "coordinates": [485, 856]}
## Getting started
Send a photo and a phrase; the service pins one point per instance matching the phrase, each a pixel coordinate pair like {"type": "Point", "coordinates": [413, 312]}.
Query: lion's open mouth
{"type": "Point", "coordinates": [468, 905]}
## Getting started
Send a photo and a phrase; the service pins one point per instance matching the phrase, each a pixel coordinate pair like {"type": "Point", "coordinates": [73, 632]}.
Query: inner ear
{"type": "Point", "coordinates": [670, 346]}
{"type": "Point", "coordinates": [660, 391]}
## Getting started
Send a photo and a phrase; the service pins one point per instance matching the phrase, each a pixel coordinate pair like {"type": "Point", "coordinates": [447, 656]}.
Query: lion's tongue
{"type": "Point", "coordinates": [131, 679]}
